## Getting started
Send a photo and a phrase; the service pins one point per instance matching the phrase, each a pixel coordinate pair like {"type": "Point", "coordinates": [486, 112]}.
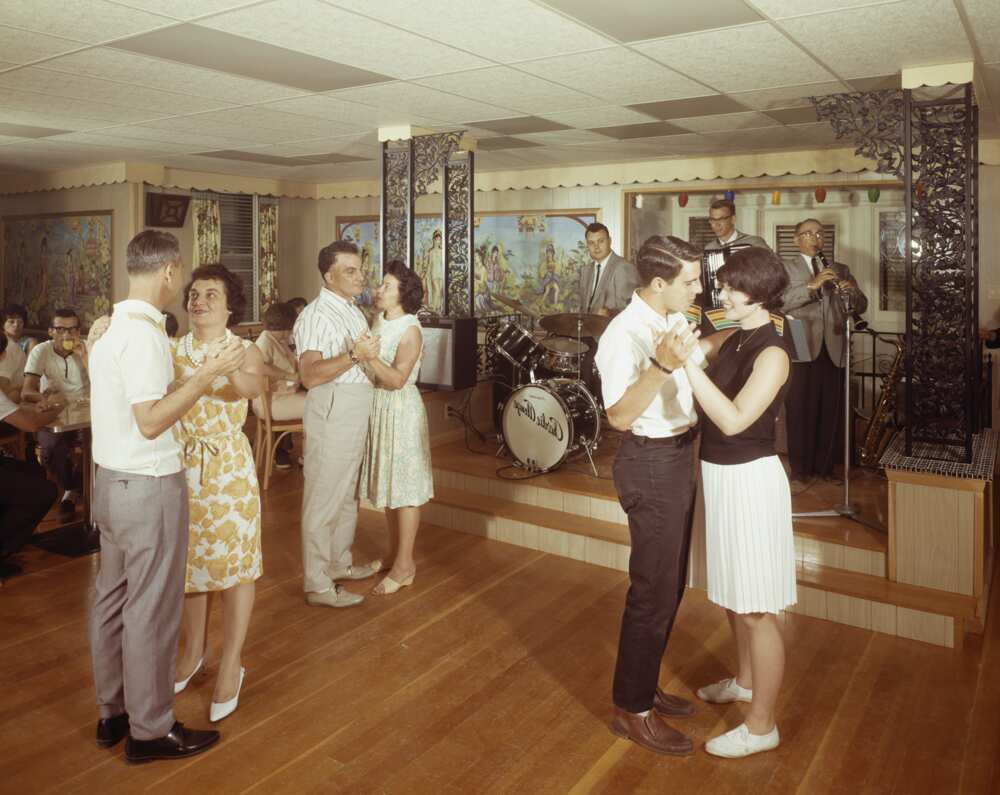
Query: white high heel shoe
{"type": "Point", "coordinates": [179, 686]}
{"type": "Point", "coordinates": [219, 711]}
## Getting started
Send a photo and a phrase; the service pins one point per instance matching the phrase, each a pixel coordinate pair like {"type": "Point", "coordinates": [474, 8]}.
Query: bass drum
{"type": "Point", "coordinates": [545, 422]}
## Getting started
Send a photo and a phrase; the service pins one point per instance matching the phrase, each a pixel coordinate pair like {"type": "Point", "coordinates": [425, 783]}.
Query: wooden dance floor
{"type": "Point", "coordinates": [491, 674]}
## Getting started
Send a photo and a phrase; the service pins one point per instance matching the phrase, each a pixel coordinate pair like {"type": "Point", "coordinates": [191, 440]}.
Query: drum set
{"type": "Point", "coordinates": [554, 409]}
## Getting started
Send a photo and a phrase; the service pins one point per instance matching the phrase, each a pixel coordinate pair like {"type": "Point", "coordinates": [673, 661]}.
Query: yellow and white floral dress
{"type": "Point", "coordinates": [223, 495]}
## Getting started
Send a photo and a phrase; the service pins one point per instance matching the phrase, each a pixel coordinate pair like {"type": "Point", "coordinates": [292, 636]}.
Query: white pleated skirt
{"type": "Point", "coordinates": [749, 548]}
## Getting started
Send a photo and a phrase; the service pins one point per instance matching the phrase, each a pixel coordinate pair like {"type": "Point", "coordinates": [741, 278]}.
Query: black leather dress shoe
{"type": "Point", "coordinates": [179, 743]}
{"type": "Point", "coordinates": [111, 731]}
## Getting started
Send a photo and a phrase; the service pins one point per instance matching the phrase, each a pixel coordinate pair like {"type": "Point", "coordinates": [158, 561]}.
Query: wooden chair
{"type": "Point", "coordinates": [269, 435]}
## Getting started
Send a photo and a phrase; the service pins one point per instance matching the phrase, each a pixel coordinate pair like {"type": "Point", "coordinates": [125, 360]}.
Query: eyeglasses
{"type": "Point", "coordinates": [712, 220]}
{"type": "Point", "coordinates": [811, 233]}
{"type": "Point", "coordinates": [65, 329]}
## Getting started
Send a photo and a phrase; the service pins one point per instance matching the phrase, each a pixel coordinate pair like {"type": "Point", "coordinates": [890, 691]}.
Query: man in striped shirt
{"type": "Point", "coordinates": [332, 340]}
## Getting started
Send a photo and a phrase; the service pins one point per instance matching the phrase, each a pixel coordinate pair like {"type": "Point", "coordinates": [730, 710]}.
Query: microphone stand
{"type": "Point", "coordinates": [846, 508]}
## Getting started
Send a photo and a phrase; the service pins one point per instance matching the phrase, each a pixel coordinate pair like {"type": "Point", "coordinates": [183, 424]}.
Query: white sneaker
{"type": "Point", "coordinates": [725, 692]}
{"type": "Point", "coordinates": [739, 742]}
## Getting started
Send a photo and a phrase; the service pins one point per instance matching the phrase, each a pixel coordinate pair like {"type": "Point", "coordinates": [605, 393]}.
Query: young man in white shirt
{"type": "Point", "coordinates": [649, 397]}
{"type": "Point", "coordinates": [58, 369]}
{"type": "Point", "coordinates": [141, 507]}
{"type": "Point", "coordinates": [332, 340]}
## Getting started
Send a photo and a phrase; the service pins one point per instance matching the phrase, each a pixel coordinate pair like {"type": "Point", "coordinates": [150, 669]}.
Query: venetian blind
{"type": "Point", "coordinates": [787, 247]}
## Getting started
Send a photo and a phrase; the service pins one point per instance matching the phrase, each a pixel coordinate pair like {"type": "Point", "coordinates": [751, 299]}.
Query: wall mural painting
{"type": "Point", "coordinates": [58, 260]}
{"type": "Point", "coordinates": [534, 259]}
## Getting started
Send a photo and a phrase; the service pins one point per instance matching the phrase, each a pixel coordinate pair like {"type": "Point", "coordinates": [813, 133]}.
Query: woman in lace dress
{"type": "Point", "coordinates": [396, 471]}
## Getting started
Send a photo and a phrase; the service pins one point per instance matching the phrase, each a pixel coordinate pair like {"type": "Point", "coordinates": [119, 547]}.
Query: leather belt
{"type": "Point", "coordinates": [679, 440]}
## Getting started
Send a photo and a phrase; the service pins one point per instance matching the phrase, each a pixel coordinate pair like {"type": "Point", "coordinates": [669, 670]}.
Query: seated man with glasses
{"type": "Point", "coordinates": [728, 239]}
{"type": "Point", "coordinates": [56, 373]}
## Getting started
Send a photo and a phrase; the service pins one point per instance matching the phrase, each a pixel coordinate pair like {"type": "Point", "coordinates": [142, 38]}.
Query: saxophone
{"type": "Point", "coordinates": [878, 433]}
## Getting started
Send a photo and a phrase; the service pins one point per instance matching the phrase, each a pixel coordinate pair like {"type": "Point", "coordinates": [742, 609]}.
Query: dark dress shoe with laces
{"type": "Point", "coordinates": [111, 731]}
{"type": "Point", "coordinates": [672, 706]}
{"type": "Point", "coordinates": [651, 732]}
{"type": "Point", "coordinates": [179, 743]}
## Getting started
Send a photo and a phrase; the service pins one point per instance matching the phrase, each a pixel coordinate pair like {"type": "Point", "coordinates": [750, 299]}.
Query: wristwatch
{"type": "Point", "coordinates": [660, 367]}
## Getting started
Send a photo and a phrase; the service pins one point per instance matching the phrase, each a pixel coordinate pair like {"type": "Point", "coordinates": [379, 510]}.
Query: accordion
{"type": "Point", "coordinates": [711, 261]}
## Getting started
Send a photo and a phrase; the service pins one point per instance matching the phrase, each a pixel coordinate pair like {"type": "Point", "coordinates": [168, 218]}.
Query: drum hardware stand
{"type": "Point", "coordinates": [590, 457]}
{"type": "Point", "coordinates": [847, 508]}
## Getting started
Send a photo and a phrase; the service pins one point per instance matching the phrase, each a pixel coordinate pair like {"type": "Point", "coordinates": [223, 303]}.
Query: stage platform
{"type": "Point", "coordinates": [842, 564]}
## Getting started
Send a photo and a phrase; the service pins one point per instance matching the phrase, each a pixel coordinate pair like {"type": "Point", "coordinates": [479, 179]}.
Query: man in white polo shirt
{"type": "Point", "coordinates": [649, 397]}
{"type": "Point", "coordinates": [58, 369]}
{"type": "Point", "coordinates": [141, 507]}
{"type": "Point", "coordinates": [332, 340]}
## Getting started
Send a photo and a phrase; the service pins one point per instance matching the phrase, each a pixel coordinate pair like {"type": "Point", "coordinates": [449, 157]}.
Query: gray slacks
{"type": "Point", "coordinates": [336, 427]}
{"type": "Point", "coordinates": [139, 596]}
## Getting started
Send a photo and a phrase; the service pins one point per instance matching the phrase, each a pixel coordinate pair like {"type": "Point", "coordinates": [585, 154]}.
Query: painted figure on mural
{"type": "Point", "coordinates": [433, 282]}
{"type": "Point", "coordinates": [548, 274]}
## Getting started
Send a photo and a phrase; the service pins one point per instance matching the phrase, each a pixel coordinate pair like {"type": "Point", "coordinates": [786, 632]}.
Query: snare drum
{"type": "Point", "coordinates": [544, 422]}
{"type": "Point", "coordinates": [517, 346]}
{"type": "Point", "coordinates": [563, 355]}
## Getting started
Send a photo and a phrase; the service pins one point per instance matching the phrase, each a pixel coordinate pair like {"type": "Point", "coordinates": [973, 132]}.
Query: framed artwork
{"type": "Point", "coordinates": [534, 258]}
{"type": "Point", "coordinates": [166, 210]}
{"type": "Point", "coordinates": [59, 260]}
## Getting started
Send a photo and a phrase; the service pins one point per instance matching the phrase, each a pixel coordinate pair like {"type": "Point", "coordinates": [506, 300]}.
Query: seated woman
{"type": "Point", "coordinates": [748, 507]}
{"type": "Point", "coordinates": [288, 398]}
{"type": "Point", "coordinates": [16, 356]}
{"type": "Point", "coordinates": [224, 552]}
{"type": "Point", "coordinates": [396, 469]}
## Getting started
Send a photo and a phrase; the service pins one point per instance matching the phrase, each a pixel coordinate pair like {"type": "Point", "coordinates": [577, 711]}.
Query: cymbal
{"type": "Point", "coordinates": [514, 304]}
{"type": "Point", "coordinates": [569, 323]}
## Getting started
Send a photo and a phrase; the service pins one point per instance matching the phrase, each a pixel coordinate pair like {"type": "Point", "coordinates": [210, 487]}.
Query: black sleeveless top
{"type": "Point", "coordinates": [730, 371]}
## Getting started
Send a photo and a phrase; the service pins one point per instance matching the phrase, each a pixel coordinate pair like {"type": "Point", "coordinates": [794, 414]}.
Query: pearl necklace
{"type": "Point", "coordinates": [198, 359]}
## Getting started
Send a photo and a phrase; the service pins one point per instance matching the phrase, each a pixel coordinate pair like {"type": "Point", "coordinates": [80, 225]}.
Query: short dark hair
{"type": "Point", "coordinates": [15, 310]}
{"type": "Point", "coordinates": [236, 301]}
{"type": "Point", "coordinates": [149, 251]}
{"type": "Point", "coordinates": [805, 221]}
{"type": "Point", "coordinates": [170, 324]}
{"type": "Point", "coordinates": [411, 286]}
{"type": "Point", "coordinates": [328, 254]}
{"type": "Point", "coordinates": [64, 312]}
{"type": "Point", "coordinates": [3, 342]}
{"type": "Point", "coordinates": [720, 204]}
{"type": "Point", "coordinates": [664, 256]}
{"type": "Point", "coordinates": [594, 228]}
{"type": "Point", "coordinates": [280, 317]}
{"type": "Point", "coordinates": [758, 273]}
{"type": "Point", "coordinates": [298, 303]}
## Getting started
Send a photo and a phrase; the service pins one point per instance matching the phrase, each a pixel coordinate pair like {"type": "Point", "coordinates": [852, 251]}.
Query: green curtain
{"type": "Point", "coordinates": [268, 261]}
{"type": "Point", "coordinates": [207, 232]}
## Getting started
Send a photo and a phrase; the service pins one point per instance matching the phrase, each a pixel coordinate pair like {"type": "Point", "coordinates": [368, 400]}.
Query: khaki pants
{"type": "Point", "coordinates": [336, 427]}
{"type": "Point", "coordinates": [139, 596]}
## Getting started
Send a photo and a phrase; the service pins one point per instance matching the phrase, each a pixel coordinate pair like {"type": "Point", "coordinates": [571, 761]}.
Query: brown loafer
{"type": "Point", "coordinates": [650, 732]}
{"type": "Point", "coordinates": [672, 706]}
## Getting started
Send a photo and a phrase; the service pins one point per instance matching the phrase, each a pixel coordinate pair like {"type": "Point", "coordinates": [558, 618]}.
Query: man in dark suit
{"type": "Point", "coordinates": [607, 281]}
{"type": "Point", "coordinates": [816, 295]}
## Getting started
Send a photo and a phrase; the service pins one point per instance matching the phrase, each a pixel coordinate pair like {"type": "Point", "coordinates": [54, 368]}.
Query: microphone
{"type": "Point", "coordinates": [860, 324]}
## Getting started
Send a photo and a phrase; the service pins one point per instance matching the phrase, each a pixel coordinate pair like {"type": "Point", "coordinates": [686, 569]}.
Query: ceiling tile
{"type": "Point", "coordinates": [43, 81]}
{"type": "Point", "coordinates": [565, 137]}
{"type": "Point", "coordinates": [805, 115]}
{"type": "Point", "coordinates": [984, 19]}
{"type": "Point", "coordinates": [505, 142]}
{"type": "Point", "coordinates": [325, 106]}
{"type": "Point", "coordinates": [857, 42]}
{"type": "Point", "coordinates": [686, 108]}
{"type": "Point", "coordinates": [608, 116]}
{"type": "Point", "coordinates": [212, 49]}
{"type": "Point", "coordinates": [397, 102]}
{"type": "Point", "coordinates": [83, 109]}
{"type": "Point", "coordinates": [315, 28]}
{"type": "Point", "coordinates": [788, 96]}
{"type": "Point", "coordinates": [520, 124]}
{"type": "Point", "coordinates": [104, 139]}
{"type": "Point", "coordinates": [506, 87]}
{"type": "Point", "coordinates": [656, 128]}
{"type": "Point", "coordinates": [502, 30]}
{"type": "Point", "coordinates": [726, 121]}
{"type": "Point", "coordinates": [335, 157]}
{"type": "Point", "coordinates": [22, 46]}
{"type": "Point", "coordinates": [615, 74]}
{"type": "Point", "coordinates": [27, 131]}
{"type": "Point", "coordinates": [113, 64]}
{"type": "Point", "coordinates": [192, 141]}
{"type": "Point", "coordinates": [882, 83]}
{"type": "Point", "coordinates": [92, 21]}
{"type": "Point", "coordinates": [645, 19]}
{"type": "Point", "coordinates": [186, 9]}
{"type": "Point", "coordinates": [780, 9]}
{"type": "Point", "coordinates": [756, 56]}
{"type": "Point", "coordinates": [250, 157]}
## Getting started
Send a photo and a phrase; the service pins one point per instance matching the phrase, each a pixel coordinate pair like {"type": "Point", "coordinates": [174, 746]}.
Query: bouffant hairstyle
{"type": "Point", "coordinates": [411, 286]}
{"type": "Point", "coordinates": [280, 317]}
{"type": "Point", "coordinates": [328, 254]}
{"type": "Point", "coordinates": [15, 310]}
{"type": "Point", "coordinates": [236, 300]}
{"type": "Point", "coordinates": [664, 256]}
{"type": "Point", "coordinates": [758, 273]}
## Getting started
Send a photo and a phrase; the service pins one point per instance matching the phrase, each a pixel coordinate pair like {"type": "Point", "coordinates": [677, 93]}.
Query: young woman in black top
{"type": "Point", "coordinates": [748, 520]}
